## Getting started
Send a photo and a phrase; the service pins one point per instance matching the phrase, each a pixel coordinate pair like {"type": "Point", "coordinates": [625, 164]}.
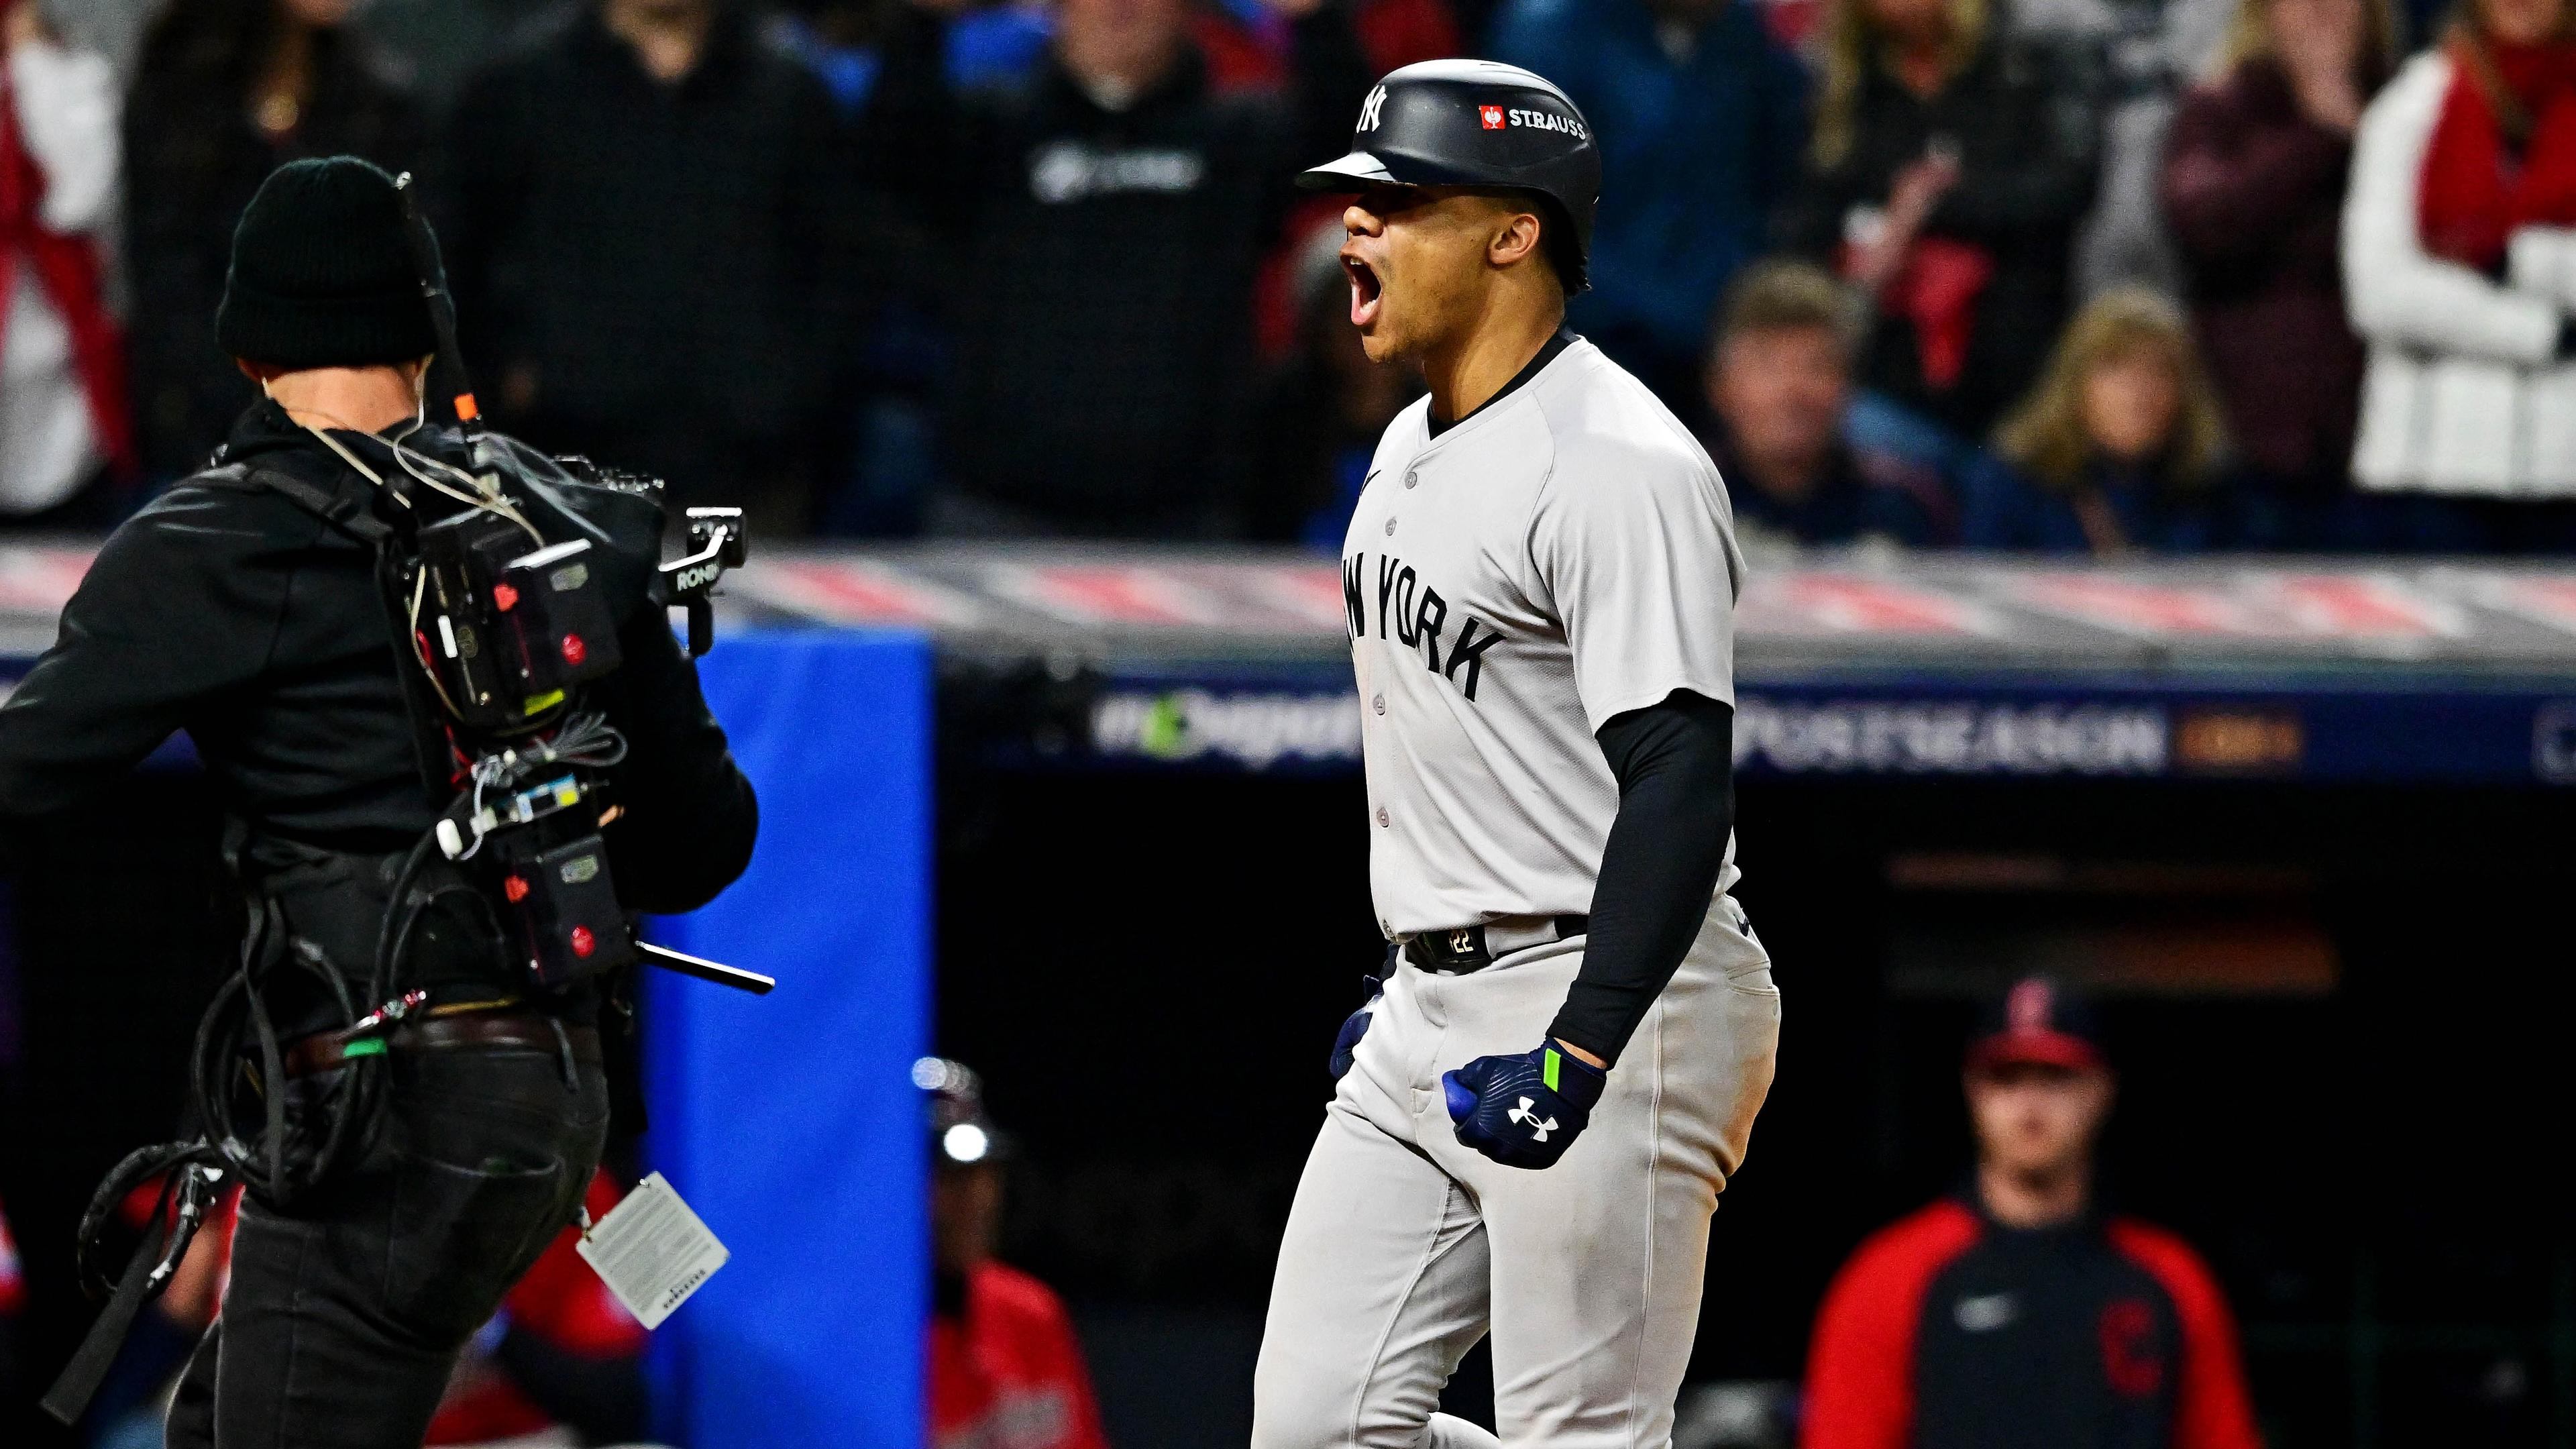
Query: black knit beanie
{"type": "Point", "coordinates": [321, 276]}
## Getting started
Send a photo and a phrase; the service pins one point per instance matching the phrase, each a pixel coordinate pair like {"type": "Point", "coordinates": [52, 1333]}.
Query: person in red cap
{"type": "Point", "coordinates": [1005, 1369]}
{"type": "Point", "coordinates": [2018, 1314]}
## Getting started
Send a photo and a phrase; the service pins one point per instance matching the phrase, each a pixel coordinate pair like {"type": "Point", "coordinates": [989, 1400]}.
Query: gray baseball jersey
{"type": "Point", "coordinates": [1561, 556]}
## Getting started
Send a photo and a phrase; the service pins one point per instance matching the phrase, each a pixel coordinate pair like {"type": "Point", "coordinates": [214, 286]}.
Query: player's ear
{"type": "Point", "coordinates": [1514, 239]}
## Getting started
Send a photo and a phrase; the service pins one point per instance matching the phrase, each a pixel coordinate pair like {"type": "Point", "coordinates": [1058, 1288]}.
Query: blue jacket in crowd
{"type": "Point", "coordinates": [1695, 152]}
{"type": "Point", "coordinates": [2003, 508]}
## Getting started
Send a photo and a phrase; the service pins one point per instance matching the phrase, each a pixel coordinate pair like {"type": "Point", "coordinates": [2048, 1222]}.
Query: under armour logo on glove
{"type": "Point", "coordinates": [1523, 1111]}
{"type": "Point", "coordinates": [1523, 1115]}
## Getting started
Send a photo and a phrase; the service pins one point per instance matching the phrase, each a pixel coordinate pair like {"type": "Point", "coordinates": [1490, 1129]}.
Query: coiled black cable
{"type": "Point", "coordinates": [237, 1091]}
{"type": "Point", "coordinates": [238, 1086]}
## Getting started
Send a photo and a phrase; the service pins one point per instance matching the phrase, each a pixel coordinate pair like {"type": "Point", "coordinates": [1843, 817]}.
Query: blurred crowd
{"type": "Point", "coordinates": [2075, 276]}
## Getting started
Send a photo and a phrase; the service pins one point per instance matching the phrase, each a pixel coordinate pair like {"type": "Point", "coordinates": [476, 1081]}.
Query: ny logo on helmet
{"type": "Point", "coordinates": [1493, 116]}
{"type": "Point", "coordinates": [1369, 108]}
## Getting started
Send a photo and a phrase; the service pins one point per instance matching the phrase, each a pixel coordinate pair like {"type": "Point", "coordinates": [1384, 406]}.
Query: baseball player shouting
{"type": "Point", "coordinates": [1534, 1119]}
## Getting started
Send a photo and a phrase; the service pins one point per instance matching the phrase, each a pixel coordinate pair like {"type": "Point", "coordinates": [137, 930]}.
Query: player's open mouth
{"type": "Point", "coordinates": [1366, 290]}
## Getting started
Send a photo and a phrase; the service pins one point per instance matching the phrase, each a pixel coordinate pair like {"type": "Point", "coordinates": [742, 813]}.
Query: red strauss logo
{"type": "Point", "coordinates": [1493, 117]}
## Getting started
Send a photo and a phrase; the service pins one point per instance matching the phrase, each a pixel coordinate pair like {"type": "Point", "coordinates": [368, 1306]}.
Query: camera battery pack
{"type": "Point", "coordinates": [558, 624]}
{"type": "Point", "coordinates": [507, 630]}
{"type": "Point", "coordinates": [561, 908]}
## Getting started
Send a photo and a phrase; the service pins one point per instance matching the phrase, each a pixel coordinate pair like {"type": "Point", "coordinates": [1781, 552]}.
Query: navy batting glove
{"type": "Point", "coordinates": [1346, 1046]}
{"type": "Point", "coordinates": [1523, 1111]}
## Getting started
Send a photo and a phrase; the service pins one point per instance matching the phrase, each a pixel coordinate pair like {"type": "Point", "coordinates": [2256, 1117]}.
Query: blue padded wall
{"type": "Point", "coordinates": [789, 1121]}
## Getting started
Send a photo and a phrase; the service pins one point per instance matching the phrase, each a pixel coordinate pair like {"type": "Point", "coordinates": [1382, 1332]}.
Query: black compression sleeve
{"type": "Point", "coordinates": [1675, 764]}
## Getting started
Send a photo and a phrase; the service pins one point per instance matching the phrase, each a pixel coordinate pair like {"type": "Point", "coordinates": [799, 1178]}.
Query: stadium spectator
{"type": "Point", "coordinates": [1779, 388]}
{"type": "Point", "coordinates": [2118, 450]}
{"type": "Point", "coordinates": [2254, 188]}
{"type": "Point", "coordinates": [1285, 47]}
{"type": "Point", "coordinates": [1701, 117]}
{"type": "Point", "coordinates": [887, 66]}
{"type": "Point", "coordinates": [227, 91]}
{"type": "Point", "coordinates": [1322, 409]}
{"type": "Point", "coordinates": [1004, 1365]}
{"type": "Point", "coordinates": [110, 28]}
{"type": "Point", "coordinates": [1949, 166]}
{"type": "Point", "coordinates": [859, 48]}
{"type": "Point", "coordinates": [649, 228]}
{"type": "Point", "coordinates": [2460, 271]}
{"type": "Point", "coordinates": [2019, 1311]}
{"type": "Point", "coordinates": [63, 416]}
{"type": "Point", "coordinates": [1107, 214]}
{"type": "Point", "coordinates": [441, 42]}
{"type": "Point", "coordinates": [2147, 52]}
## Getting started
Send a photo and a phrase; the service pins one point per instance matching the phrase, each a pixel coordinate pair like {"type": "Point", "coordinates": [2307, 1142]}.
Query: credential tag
{"type": "Point", "coordinates": [651, 1251]}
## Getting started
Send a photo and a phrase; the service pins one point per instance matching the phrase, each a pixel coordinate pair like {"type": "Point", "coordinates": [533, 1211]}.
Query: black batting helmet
{"type": "Point", "coordinates": [1484, 124]}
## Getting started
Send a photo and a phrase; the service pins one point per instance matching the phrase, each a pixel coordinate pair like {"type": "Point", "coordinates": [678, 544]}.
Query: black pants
{"type": "Point", "coordinates": [344, 1319]}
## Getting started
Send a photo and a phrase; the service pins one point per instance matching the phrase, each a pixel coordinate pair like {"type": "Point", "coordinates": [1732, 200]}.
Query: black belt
{"type": "Point", "coordinates": [1473, 948]}
{"type": "Point", "coordinates": [472, 1031]}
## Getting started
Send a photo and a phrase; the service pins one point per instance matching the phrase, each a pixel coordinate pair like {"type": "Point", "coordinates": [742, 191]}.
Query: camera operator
{"type": "Point", "coordinates": [249, 607]}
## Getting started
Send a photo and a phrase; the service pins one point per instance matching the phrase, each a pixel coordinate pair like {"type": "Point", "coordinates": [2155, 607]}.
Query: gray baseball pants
{"type": "Point", "coordinates": [1403, 1248]}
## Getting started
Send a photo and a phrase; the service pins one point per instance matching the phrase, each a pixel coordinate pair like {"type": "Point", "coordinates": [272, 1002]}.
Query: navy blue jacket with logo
{"type": "Point", "coordinates": [1947, 1330]}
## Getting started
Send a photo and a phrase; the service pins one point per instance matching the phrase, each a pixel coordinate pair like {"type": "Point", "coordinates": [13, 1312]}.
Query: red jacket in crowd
{"type": "Point", "coordinates": [1950, 1331]}
{"type": "Point", "coordinates": [2503, 153]}
{"type": "Point", "coordinates": [1005, 1372]}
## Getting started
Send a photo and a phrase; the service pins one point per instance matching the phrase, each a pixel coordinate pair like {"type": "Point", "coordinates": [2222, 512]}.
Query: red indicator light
{"type": "Point", "coordinates": [574, 651]}
{"type": "Point", "coordinates": [504, 597]}
{"type": "Point", "coordinates": [583, 942]}
{"type": "Point", "coordinates": [516, 888]}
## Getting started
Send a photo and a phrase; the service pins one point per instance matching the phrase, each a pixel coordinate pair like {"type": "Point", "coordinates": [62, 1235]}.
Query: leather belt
{"type": "Point", "coordinates": [476, 1031]}
{"type": "Point", "coordinates": [1466, 949]}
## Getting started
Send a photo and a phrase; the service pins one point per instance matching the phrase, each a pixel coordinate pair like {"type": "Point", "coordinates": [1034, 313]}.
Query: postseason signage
{"type": "Point", "coordinates": [1999, 728]}
{"type": "Point", "coordinates": [2063, 729]}
{"type": "Point", "coordinates": [1924, 667]}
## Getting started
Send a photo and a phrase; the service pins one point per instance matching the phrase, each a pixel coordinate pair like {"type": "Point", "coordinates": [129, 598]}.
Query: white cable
{"type": "Point", "coordinates": [485, 496]}
{"type": "Point", "coordinates": [489, 501]}
{"type": "Point", "coordinates": [332, 443]}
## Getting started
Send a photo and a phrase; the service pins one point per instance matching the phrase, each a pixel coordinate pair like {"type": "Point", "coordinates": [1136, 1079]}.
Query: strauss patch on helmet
{"type": "Point", "coordinates": [1547, 121]}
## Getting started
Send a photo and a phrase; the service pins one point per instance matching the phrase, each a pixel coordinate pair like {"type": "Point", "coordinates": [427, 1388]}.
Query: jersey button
{"type": "Point", "coordinates": [1411, 477]}
{"type": "Point", "coordinates": [1390, 525]}
{"type": "Point", "coordinates": [1381, 817]}
{"type": "Point", "coordinates": [1378, 703]}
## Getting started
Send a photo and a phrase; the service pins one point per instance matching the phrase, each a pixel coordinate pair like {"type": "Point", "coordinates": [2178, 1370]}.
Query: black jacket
{"type": "Point", "coordinates": [227, 610]}
{"type": "Point", "coordinates": [665, 267]}
{"type": "Point", "coordinates": [1104, 319]}
{"type": "Point", "coordinates": [1860, 495]}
